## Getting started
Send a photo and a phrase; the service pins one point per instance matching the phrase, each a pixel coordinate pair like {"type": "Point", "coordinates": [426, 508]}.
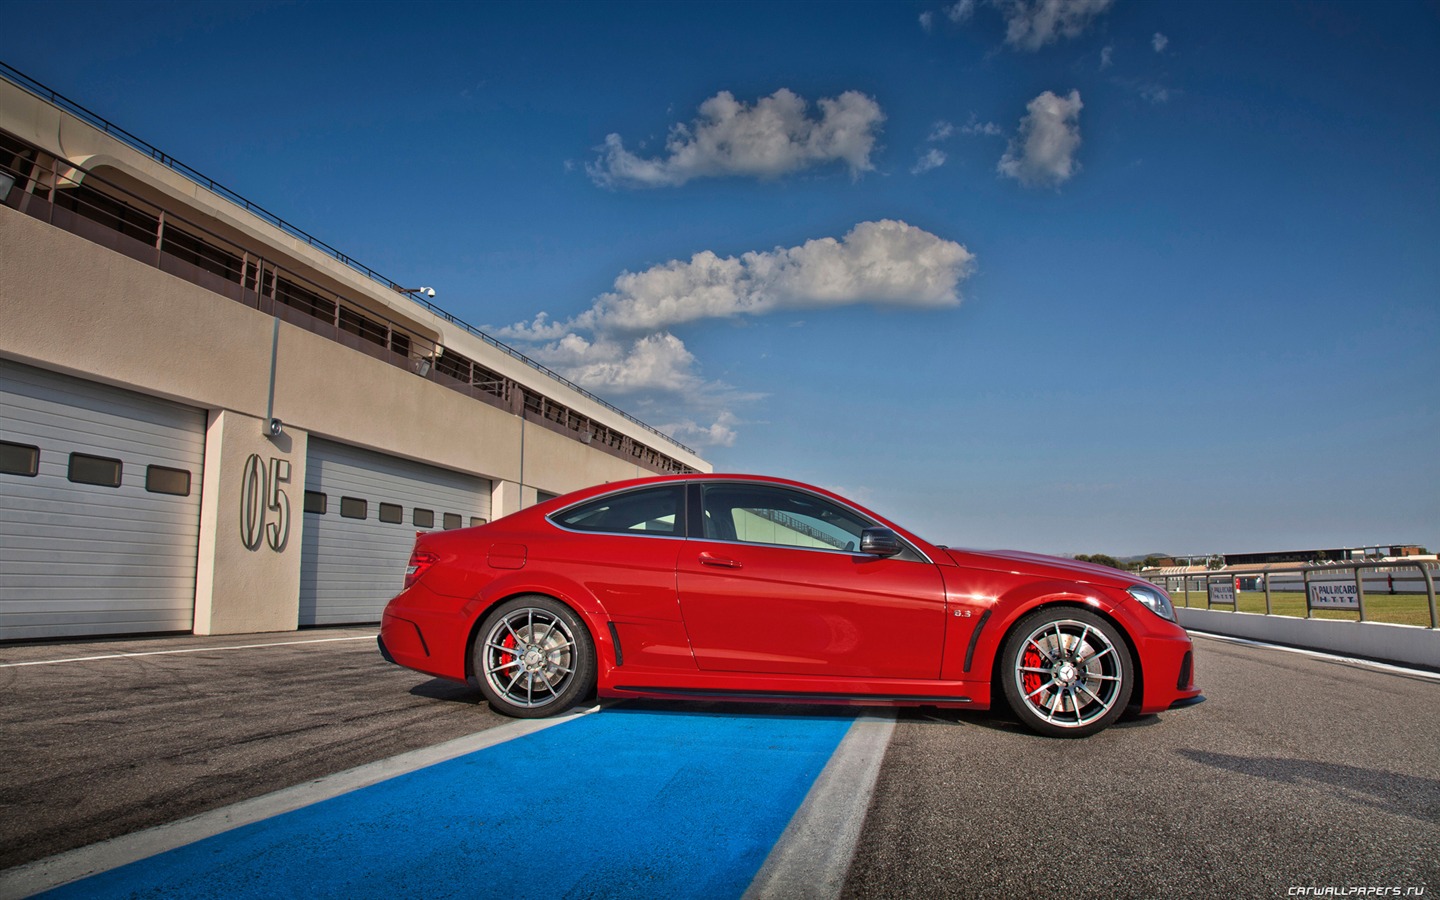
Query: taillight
{"type": "Point", "coordinates": [420, 560]}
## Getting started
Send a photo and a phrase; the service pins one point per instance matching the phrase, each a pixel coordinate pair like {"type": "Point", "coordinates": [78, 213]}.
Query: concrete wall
{"type": "Point", "coordinates": [1405, 644]}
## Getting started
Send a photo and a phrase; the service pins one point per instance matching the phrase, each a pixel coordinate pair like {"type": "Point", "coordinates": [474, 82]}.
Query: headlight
{"type": "Point", "coordinates": [1155, 599]}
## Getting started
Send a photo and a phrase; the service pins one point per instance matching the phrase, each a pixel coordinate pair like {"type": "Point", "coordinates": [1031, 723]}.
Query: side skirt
{"type": "Point", "coordinates": [785, 696]}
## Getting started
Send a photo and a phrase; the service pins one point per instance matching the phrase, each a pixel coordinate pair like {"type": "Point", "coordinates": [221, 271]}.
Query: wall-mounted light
{"type": "Point", "coordinates": [422, 367]}
{"type": "Point", "coordinates": [276, 428]}
{"type": "Point", "coordinates": [6, 183]}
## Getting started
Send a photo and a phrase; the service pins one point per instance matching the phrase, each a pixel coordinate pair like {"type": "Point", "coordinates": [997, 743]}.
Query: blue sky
{"type": "Point", "coordinates": [1090, 276]}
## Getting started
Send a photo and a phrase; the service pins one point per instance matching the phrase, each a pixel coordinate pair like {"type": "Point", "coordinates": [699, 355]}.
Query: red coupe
{"type": "Point", "coordinates": [745, 587]}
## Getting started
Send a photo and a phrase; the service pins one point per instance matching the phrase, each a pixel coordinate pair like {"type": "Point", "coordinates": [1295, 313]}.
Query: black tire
{"type": "Point", "coordinates": [1066, 672]}
{"type": "Point", "coordinates": [533, 657]}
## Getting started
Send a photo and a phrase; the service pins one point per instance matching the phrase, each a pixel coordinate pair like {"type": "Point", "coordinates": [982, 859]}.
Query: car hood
{"type": "Point", "coordinates": [1039, 564]}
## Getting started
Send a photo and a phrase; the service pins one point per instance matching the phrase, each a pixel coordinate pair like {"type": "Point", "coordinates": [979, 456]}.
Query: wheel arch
{"type": "Point", "coordinates": [587, 607]}
{"type": "Point", "coordinates": [1097, 609]}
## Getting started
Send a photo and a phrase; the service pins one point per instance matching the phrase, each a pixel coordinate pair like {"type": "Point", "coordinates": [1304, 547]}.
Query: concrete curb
{"type": "Point", "coordinates": [812, 857]}
{"type": "Point", "coordinates": [1406, 644]}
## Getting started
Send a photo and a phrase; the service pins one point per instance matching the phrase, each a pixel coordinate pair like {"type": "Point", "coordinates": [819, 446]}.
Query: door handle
{"type": "Point", "coordinates": [719, 562]}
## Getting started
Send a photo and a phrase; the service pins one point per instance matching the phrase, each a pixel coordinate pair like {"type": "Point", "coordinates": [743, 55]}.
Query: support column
{"type": "Point", "coordinates": [251, 515]}
{"type": "Point", "coordinates": [505, 498]}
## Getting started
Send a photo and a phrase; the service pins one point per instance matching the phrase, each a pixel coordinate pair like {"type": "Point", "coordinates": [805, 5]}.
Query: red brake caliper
{"type": "Point", "coordinates": [507, 658]}
{"type": "Point", "coordinates": [1031, 680]}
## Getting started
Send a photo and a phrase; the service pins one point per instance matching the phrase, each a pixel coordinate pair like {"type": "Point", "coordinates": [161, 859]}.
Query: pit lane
{"type": "Point", "coordinates": [1297, 772]}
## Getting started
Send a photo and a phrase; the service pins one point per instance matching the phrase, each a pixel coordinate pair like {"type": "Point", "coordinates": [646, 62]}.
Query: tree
{"type": "Point", "coordinates": [1100, 559]}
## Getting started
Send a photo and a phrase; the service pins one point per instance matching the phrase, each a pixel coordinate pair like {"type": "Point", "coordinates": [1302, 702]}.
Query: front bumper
{"type": "Point", "coordinates": [1169, 671]}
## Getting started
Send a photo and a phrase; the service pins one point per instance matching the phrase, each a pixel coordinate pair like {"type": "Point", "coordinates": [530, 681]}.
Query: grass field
{"type": "Point", "coordinates": [1401, 609]}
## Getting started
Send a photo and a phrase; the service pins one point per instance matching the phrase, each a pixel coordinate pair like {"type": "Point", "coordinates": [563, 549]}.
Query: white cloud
{"type": "Point", "coordinates": [1043, 153]}
{"type": "Point", "coordinates": [720, 433]}
{"type": "Point", "coordinates": [1159, 42]}
{"type": "Point", "coordinates": [1155, 93]}
{"type": "Point", "coordinates": [883, 263]}
{"type": "Point", "coordinates": [655, 372]}
{"type": "Point", "coordinates": [983, 129]}
{"type": "Point", "coordinates": [960, 10]}
{"type": "Point", "coordinates": [1106, 57]}
{"type": "Point", "coordinates": [940, 131]}
{"type": "Point", "coordinates": [653, 362]}
{"type": "Point", "coordinates": [1032, 24]}
{"type": "Point", "coordinates": [773, 137]}
{"type": "Point", "coordinates": [933, 159]}
{"type": "Point", "coordinates": [927, 20]}
{"type": "Point", "coordinates": [623, 343]}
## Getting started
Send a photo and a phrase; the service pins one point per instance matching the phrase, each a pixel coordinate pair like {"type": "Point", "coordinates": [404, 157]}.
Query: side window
{"type": "Point", "coordinates": [393, 513]}
{"type": "Point", "coordinates": [423, 518]}
{"type": "Point", "coordinates": [315, 502]}
{"type": "Point", "coordinates": [354, 508]}
{"type": "Point", "coordinates": [654, 510]}
{"type": "Point", "coordinates": [451, 520]}
{"type": "Point", "coordinates": [761, 514]}
{"type": "Point", "coordinates": [87, 469]}
{"type": "Point", "coordinates": [19, 459]}
{"type": "Point", "coordinates": [165, 480]}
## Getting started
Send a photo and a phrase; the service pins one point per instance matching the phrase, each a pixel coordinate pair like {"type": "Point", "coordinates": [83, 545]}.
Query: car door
{"type": "Point", "coordinates": [770, 581]}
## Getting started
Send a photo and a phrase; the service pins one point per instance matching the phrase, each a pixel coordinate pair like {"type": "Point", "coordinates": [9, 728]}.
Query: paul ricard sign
{"type": "Point", "coordinates": [1334, 595]}
{"type": "Point", "coordinates": [1220, 593]}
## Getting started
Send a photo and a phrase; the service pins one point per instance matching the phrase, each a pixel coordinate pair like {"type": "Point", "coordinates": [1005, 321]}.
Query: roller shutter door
{"type": "Point", "coordinates": [354, 553]}
{"type": "Point", "coordinates": [102, 538]}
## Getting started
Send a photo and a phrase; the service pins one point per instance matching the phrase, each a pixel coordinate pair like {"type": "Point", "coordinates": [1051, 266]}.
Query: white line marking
{"type": "Point", "coordinates": [813, 855]}
{"type": "Point", "coordinates": [56, 662]}
{"type": "Point", "coordinates": [1370, 663]}
{"type": "Point", "coordinates": [72, 865]}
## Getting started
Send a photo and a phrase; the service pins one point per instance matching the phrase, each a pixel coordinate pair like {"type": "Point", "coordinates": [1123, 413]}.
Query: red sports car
{"type": "Point", "coordinates": [745, 587]}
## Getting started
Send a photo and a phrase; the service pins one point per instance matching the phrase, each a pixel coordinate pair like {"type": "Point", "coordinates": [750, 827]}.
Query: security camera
{"type": "Point", "coordinates": [428, 291]}
{"type": "Point", "coordinates": [277, 427]}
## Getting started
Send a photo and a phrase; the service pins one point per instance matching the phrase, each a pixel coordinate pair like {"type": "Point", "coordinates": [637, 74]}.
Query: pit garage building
{"type": "Point", "coordinates": [211, 421]}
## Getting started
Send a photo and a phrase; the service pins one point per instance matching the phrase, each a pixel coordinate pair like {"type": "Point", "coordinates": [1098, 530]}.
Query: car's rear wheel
{"type": "Point", "coordinates": [1067, 672]}
{"type": "Point", "coordinates": [533, 657]}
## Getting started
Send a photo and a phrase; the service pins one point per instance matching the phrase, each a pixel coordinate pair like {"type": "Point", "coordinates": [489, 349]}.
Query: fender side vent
{"type": "Point", "coordinates": [974, 639]}
{"type": "Point", "coordinates": [615, 639]}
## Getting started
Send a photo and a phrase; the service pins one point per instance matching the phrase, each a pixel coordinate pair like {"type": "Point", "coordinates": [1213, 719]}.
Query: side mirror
{"type": "Point", "coordinates": [880, 542]}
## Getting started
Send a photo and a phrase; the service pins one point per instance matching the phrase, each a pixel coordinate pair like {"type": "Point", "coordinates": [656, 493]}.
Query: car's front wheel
{"type": "Point", "coordinates": [533, 657]}
{"type": "Point", "coordinates": [1067, 672]}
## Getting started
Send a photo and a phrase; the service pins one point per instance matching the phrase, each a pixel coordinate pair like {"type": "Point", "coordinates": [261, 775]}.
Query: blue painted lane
{"type": "Point", "coordinates": [619, 803]}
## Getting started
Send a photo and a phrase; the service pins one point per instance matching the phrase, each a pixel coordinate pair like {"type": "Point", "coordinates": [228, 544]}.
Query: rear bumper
{"type": "Point", "coordinates": [379, 639]}
{"type": "Point", "coordinates": [425, 632]}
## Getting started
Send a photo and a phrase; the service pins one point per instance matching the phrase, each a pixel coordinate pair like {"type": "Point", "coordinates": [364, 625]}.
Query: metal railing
{"type": "Point", "coordinates": [25, 82]}
{"type": "Point", "coordinates": [1305, 577]}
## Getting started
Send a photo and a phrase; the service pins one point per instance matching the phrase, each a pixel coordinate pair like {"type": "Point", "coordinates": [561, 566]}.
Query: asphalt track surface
{"type": "Point", "coordinates": [1298, 773]}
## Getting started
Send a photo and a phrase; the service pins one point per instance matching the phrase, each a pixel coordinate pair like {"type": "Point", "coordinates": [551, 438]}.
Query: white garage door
{"type": "Point", "coordinates": [99, 508]}
{"type": "Point", "coordinates": [362, 510]}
